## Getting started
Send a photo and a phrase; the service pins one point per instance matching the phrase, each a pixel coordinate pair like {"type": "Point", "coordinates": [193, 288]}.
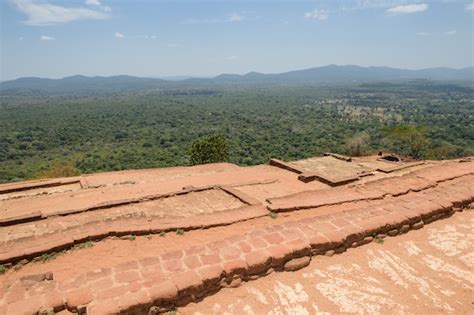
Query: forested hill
{"type": "Point", "coordinates": [321, 75]}
{"type": "Point", "coordinates": [61, 135]}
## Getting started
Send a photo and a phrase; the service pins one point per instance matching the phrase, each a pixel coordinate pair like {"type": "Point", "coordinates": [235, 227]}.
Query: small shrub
{"type": "Point", "coordinates": [273, 215]}
{"type": "Point", "coordinates": [378, 240]}
{"type": "Point", "coordinates": [85, 245]}
{"type": "Point", "coordinates": [162, 234]}
{"type": "Point", "coordinates": [358, 144]}
{"type": "Point", "coordinates": [20, 264]}
{"type": "Point", "coordinates": [3, 269]}
{"type": "Point", "coordinates": [59, 169]}
{"type": "Point", "coordinates": [179, 231]}
{"type": "Point", "coordinates": [172, 312]}
{"type": "Point", "coordinates": [132, 237]}
{"type": "Point", "coordinates": [48, 257]}
{"type": "Point", "coordinates": [408, 139]}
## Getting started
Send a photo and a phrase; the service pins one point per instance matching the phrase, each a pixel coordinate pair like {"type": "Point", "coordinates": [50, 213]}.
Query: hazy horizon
{"type": "Point", "coordinates": [159, 39]}
{"type": "Point", "coordinates": [184, 76]}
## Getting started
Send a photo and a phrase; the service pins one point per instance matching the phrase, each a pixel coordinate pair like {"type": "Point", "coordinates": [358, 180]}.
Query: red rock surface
{"type": "Point", "coordinates": [427, 271]}
{"type": "Point", "coordinates": [219, 231]}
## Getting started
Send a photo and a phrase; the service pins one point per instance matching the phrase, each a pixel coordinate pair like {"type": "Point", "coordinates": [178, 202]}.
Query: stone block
{"type": "Point", "coordinates": [238, 266]}
{"type": "Point", "coordinates": [257, 261]}
{"type": "Point", "coordinates": [187, 282]}
{"type": "Point", "coordinates": [209, 259]}
{"type": "Point", "coordinates": [299, 247]}
{"type": "Point", "coordinates": [273, 238]}
{"type": "Point", "coordinates": [297, 263]}
{"type": "Point", "coordinates": [78, 297]}
{"type": "Point", "coordinates": [164, 290]}
{"type": "Point", "coordinates": [192, 262]}
{"type": "Point", "coordinates": [127, 276]}
{"type": "Point", "coordinates": [210, 274]}
{"type": "Point", "coordinates": [173, 265]}
{"type": "Point", "coordinates": [177, 254]}
{"type": "Point", "coordinates": [126, 266]}
{"type": "Point", "coordinates": [230, 253]}
{"type": "Point", "coordinates": [257, 243]}
{"type": "Point", "coordinates": [279, 253]}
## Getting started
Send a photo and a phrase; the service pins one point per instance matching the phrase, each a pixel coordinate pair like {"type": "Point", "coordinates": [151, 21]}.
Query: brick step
{"type": "Point", "coordinates": [57, 237]}
{"type": "Point", "coordinates": [394, 186]}
{"type": "Point", "coordinates": [161, 282]}
{"type": "Point", "coordinates": [13, 219]}
{"type": "Point", "coordinates": [35, 240]}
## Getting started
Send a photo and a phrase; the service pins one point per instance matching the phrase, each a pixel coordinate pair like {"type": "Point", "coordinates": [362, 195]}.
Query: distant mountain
{"type": "Point", "coordinates": [82, 83]}
{"type": "Point", "coordinates": [331, 74]}
{"type": "Point", "coordinates": [341, 74]}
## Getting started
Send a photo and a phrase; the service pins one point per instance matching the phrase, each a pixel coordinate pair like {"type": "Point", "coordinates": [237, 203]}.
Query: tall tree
{"type": "Point", "coordinates": [210, 149]}
{"type": "Point", "coordinates": [408, 140]}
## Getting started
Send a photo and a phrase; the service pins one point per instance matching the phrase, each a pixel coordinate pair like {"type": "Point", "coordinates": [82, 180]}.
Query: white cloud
{"type": "Point", "coordinates": [470, 6]}
{"type": "Point", "coordinates": [422, 33]}
{"type": "Point", "coordinates": [231, 18]}
{"type": "Point", "coordinates": [356, 5]}
{"type": "Point", "coordinates": [316, 14]}
{"type": "Point", "coordinates": [44, 13]}
{"type": "Point", "coordinates": [450, 33]}
{"type": "Point", "coordinates": [96, 3]}
{"type": "Point", "coordinates": [232, 57]}
{"type": "Point", "coordinates": [47, 38]}
{"type": "Point", "coordinates": [202, 21]}
{"type": "Point", "coordinates": [121, 35]}
{"type": "Point", "coordinates": [408, 9]}
{"type": "Point", "coordinates": [172, 45]}
{"type": "Point", "coordinates": [146, 36]}
{"type": "Point", "coordinates": [235, 17]}
{"type": "Point", "coordinates": [93, 2]}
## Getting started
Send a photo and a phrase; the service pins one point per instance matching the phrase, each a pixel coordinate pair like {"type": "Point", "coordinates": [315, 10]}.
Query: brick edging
{"type": "Point", "coordinates": [133, 226]}
{"type": "Point", "coordinates": [372, 190]}
{"type": "Point", "coordinates": [290, 255]}
{"type": "Point", "coordinates": [160, 283]}
{"type": "Point", "coordinates": [47, 183]}
{"type": "Point", "coordinates": [123, 202]}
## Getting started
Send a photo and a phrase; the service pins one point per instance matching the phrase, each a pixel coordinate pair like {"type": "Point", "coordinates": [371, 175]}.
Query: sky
{"type": "Point", "coordinates": [163, 38]}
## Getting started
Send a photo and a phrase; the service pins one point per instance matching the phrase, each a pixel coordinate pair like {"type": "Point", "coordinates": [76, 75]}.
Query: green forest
{"type": "Point", "coordinates": [92, 132]}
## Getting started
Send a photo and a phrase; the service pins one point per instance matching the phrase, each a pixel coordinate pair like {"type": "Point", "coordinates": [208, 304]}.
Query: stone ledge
{"type": "Point", "coordinates": [309, 177]}
{"type": "Point", "coordinates": [398, 167]}
{"type": "Point", "coordinates": [143, 292]}
{"type": "Point", "coordinates": [12, 220]}
{"type": "Point", "coordinates": [285, 166]}
{"type": "Point", "coordinates": [240, 195]}
{"type": "Point", "coordinates": [393, 186]}
{"type": "Point", "coordinates": [30, 248]}
{"type": "Point", "coordinates": [35, 216]}
{"type": "Point", "coordinates": [339, 156]}
{"type": "Point", "coordinates": [47, 183]}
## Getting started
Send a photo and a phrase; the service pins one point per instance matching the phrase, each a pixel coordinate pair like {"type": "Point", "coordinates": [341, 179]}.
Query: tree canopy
{"type": "Point", "coordinates": [210, 149]}
{"type": "Point", "coordinates": [116, 131]}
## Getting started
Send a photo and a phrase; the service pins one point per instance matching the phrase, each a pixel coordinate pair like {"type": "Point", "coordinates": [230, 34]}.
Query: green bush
{"type": "Point", "coordinates": [58, 169]}
{"type": "Point", "coordinates": [408, 140]}
{"type": "Point", "coordinates": [210, 149]}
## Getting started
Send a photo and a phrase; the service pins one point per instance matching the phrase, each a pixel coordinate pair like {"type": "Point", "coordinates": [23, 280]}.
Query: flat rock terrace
{"type": "Point", "coordinates": [150, 241]}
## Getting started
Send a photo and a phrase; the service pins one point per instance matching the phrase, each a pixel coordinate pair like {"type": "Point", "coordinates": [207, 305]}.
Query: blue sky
{"type": "Point", "coordinates": [153, 38]}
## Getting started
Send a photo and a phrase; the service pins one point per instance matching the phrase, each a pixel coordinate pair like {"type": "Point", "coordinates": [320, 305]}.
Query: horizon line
{"type": "Point", "coordinates": [185, 77]}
